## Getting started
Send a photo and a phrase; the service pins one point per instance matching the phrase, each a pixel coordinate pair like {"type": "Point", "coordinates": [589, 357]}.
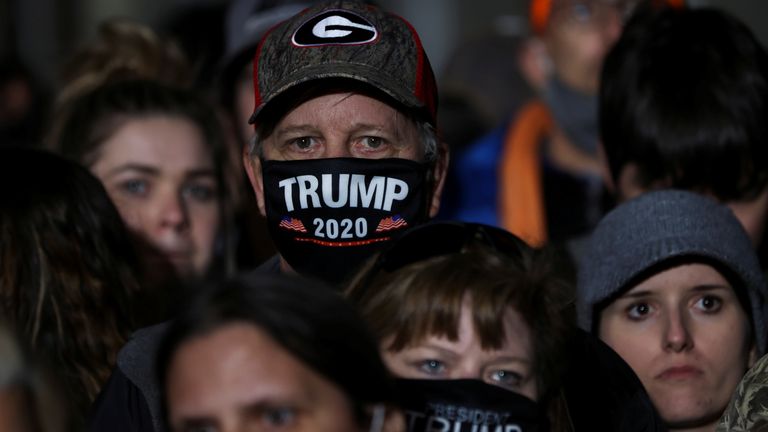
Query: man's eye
{"type": "Point", "coordinates": [278, 416]}
{"type": "Point", "coordinates": [639, 311]}
{"type": "Point", "coordinates": [373, 142]}
{"type": "Point", "coordinates": [506, 378]}
{"type": "Point", "coordinates": [432, 367]}
{"type": "Point", "coordinates": [709, 304]}
{"type": "Point", "coordinates": [135, 187]}
{"type": "Point", "coordinates": [303, 143]}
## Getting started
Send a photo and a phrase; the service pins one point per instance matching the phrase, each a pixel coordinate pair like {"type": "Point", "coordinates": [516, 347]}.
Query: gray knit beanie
{"type": "Point", "coordinates": [659, 226]}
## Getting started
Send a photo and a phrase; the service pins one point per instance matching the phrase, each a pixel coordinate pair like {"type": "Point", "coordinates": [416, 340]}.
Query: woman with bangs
{"type": "Point", "coordinates": [469, 316]}
{"type": "Point", "coordinates": [463, 316]}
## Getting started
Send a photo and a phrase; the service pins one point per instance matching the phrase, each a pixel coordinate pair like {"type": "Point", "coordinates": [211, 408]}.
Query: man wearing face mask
{"type": "Point", "coordinates": [344, 158]}
{"type": "Point", "coordinates": [345, 155]}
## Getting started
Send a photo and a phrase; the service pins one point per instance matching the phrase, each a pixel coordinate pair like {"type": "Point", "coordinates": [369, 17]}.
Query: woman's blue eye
{"type": "Point", "coordinates": [432, 367]}
{"type": "Point", "coordinates": [506, 378]}
{"type": "Point", "coordinates": [135, 187]}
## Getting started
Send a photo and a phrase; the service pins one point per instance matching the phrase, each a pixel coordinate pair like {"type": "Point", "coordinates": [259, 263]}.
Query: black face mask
{"type": "Point", "coordinates": [467, 406]}
{"type": "Point", "coordinates": [327, 216]}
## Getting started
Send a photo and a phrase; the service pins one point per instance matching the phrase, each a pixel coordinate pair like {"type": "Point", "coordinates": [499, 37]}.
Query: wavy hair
{"type": "Point", "coordinates": [67, 269]}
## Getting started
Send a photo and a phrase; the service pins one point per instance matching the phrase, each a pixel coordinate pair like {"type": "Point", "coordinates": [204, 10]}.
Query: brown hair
{"type": "Point", "coordinates": [67, 270]}
{"type": "Point", "coordinates": [123, 49]}
{"type": "Point", "coordinates": [424, 298]}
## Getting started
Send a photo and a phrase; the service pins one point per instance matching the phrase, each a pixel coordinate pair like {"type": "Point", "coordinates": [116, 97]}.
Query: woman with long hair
{"type": "Point", "coordinates": [67, 269]}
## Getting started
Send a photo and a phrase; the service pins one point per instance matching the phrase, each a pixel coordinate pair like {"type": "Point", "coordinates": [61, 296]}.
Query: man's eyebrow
{"type": "Point", "coordinates": [292, 129]}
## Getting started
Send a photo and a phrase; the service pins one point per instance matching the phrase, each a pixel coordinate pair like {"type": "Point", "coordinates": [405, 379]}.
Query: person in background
{"type": "Point", "coordinates": [670, 281]}
{"type": "Point", "coordinates": [278, 352]}
{"type": "Point", "coordinates": [158, 151]}
{"type": "Point", "coordinates": [747, 410]}
{"type": "Point", "coordinates": [473, 319]}
{"type": "Point", "coordinates": [123, 49]}
{"type": "Point", "coordinates": [683, 104]}
{"type": "Point", "coordinates": [246, 22]}
{"type": "Point", "coordinates": [24, 101]}
{"type": "Point", "coordinates": [67, 284]}
{"type": "Point", "coordinates": [538, 175]}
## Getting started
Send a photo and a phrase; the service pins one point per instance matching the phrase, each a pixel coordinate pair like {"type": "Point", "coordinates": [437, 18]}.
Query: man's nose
{"type": "Point", "coordinates": [337, 147]}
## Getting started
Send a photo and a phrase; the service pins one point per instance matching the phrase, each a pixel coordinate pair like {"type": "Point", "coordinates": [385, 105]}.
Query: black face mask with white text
{"type": "Point", "coordinates": [467, 405]}
{"type": "Point", "coordinates": [327, 216]}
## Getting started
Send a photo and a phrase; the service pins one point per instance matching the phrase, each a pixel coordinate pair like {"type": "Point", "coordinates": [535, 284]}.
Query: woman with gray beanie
{"type": "Point", "coordinates": [670, 281]}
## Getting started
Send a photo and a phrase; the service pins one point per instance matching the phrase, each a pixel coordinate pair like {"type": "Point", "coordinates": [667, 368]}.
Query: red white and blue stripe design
{"type": "Point", "coordinates": [391, 223]}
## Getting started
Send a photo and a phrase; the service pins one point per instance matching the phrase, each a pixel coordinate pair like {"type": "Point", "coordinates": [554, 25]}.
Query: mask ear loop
{"type": "Point", "coordinates": [377, 419]}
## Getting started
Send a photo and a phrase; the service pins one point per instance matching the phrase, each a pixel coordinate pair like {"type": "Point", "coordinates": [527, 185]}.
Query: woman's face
{"type": "Point", "coordinates": [510, 367]}
{"type": "Point", "coordinates": [160, 175]}
{"type": "Point", "coordinates": [686, 336]}
{"type": "Point", "coordinates": [237, 378]}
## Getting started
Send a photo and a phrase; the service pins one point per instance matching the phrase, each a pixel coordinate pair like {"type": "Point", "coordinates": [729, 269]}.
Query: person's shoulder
{"type": "Point", "coordinates": [120, 407]}
{"type": "Point", "coordinates": [137, 360]}
{"type": "Point", "coordinates": [270, 266]}
{"type": "Point", "coordinates": [130, 400]}
{"type": "Point", "coordinates": [748, 409]}
{"type": "Point", "coordinates": [141, 346]}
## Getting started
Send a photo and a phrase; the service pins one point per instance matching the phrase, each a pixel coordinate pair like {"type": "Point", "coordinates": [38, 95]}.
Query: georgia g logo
{"type": "Point", "coordinates": [335, 27]}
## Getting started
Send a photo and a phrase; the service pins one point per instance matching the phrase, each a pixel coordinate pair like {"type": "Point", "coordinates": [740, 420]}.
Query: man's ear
{"type": "Point", "coordinates": [439, 173]}
{"type": "Point", "coordinates": [253, 169]}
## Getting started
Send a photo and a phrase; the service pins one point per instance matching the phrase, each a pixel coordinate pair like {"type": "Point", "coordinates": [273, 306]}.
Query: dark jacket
{"type": "Point", "coordinates": [130, 400]}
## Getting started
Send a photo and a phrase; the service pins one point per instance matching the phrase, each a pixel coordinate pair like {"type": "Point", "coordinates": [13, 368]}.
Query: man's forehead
{"type": "Point", "coordinates": [333, 90]}
{"type": "Point", "coordinates": [344, 111]}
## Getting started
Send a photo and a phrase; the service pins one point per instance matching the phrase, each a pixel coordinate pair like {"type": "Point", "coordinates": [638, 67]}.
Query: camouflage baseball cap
{"type": "Point", "coordinates": [351, 40]}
